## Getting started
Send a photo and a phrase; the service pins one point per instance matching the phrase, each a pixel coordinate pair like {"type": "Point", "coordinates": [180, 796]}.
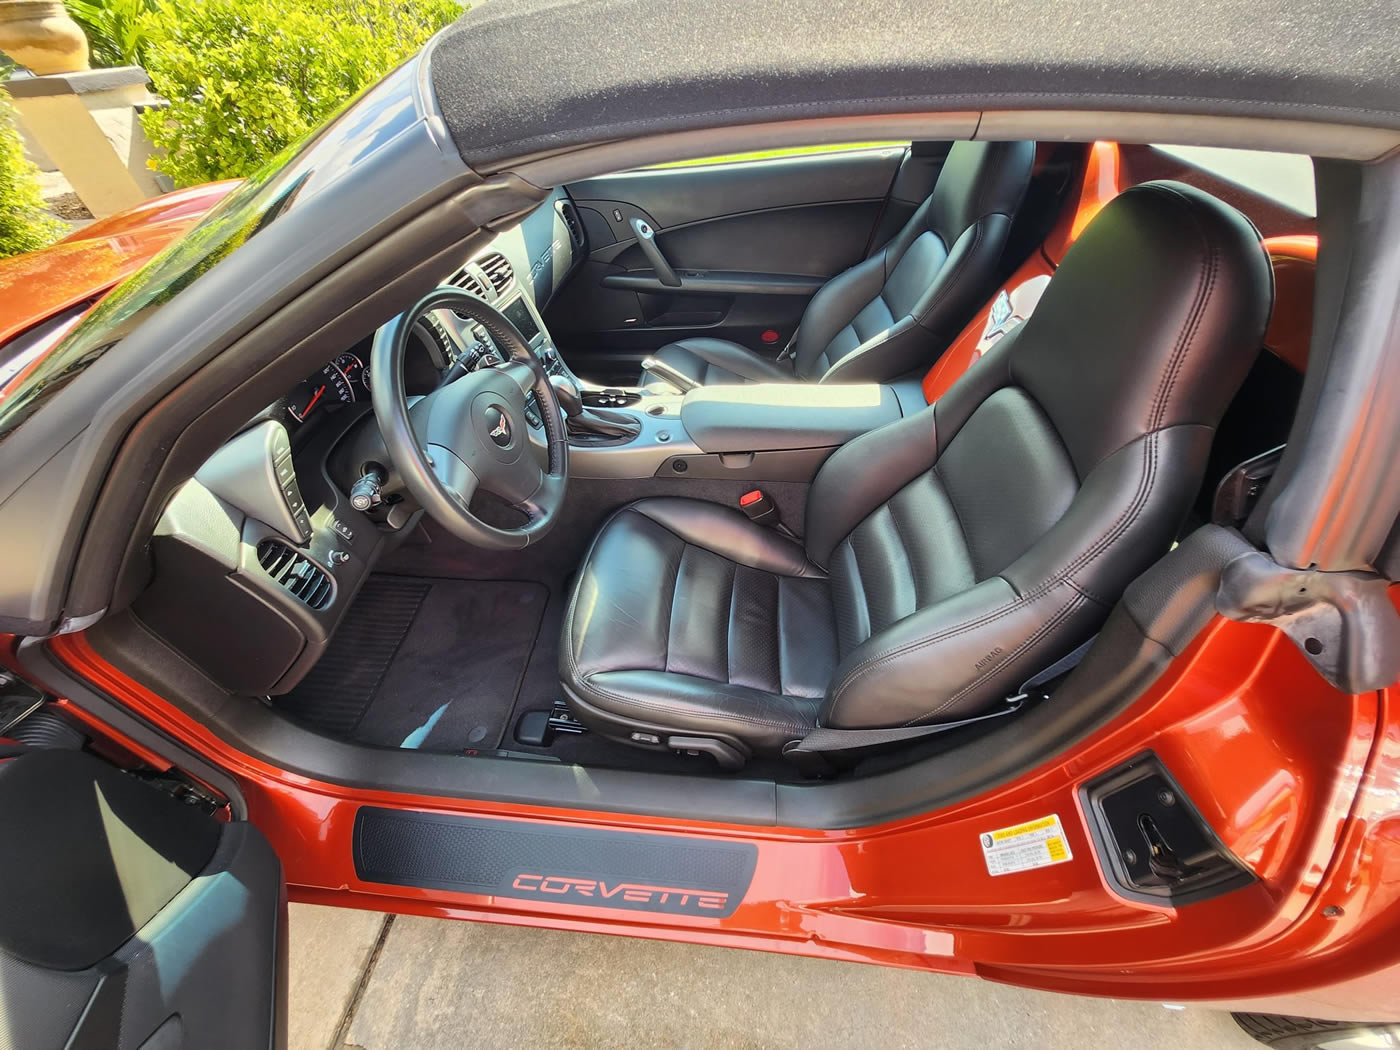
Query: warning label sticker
{"type": "Point", "coordinates": [1034, 844]}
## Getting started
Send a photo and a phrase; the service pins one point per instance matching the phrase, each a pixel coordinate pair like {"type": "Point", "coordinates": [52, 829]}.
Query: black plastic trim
{"type": "Point", "coordinates": [38, 663]}
{"type": "Point", "coordinates": [1345, 431]}
{"type": "Point", "coordinates": [1225, 872]}
{"type": "Point", "coordinates": [717, 282]}
{"type": "Point", "coordinates": [632, 871]}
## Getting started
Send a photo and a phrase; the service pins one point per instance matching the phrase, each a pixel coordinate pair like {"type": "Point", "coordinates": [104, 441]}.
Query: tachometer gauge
{"type": "Point", "coordinates": [354, 369]}
{"type": "Point", "coordinates": [328, 386]}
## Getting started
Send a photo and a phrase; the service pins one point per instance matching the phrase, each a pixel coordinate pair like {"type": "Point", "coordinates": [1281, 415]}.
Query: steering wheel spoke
{"type": "Point", "coordinates": [458, 478]}
{"type": "Point", "coordinates": [522, 374]}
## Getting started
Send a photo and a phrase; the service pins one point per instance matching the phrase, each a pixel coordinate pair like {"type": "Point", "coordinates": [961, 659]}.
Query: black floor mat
{"type": "Point", "coordinates": [424, 663]}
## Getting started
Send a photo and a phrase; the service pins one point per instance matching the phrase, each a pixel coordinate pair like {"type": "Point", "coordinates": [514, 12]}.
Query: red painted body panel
{"type": "Point", "coordinates": [1298, 780]}
{"type": "Point", "coordinates": [89, 262]}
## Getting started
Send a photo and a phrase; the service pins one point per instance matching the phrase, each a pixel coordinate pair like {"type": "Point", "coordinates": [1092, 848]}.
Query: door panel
{"type": "Point", "coordinates": [128, 919]}
{"type": "Point", "coordinates": [750, 242]}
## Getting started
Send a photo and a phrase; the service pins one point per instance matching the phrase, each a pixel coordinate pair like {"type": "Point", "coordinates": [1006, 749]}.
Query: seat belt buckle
{"type": "Point", "coordinates": [788, 348]}
{"type": "Point", "coordinates": [759, 508]}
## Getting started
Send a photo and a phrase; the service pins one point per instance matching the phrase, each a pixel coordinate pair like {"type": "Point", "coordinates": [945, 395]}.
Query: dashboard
{"type": "Point", "coordinates": [518, 273]}
{"type": "Point", "coordinates": [268, 524]}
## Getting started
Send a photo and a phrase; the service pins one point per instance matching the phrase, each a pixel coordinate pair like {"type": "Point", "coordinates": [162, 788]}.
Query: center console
{"type": "Point", "coordinates": [751, 432]}
{"type": "Point", "coordinates": [755, 432]}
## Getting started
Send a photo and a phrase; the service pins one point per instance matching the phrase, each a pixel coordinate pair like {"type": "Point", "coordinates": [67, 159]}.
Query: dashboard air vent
{"type": "Point", "coordinates": [498, 271]}
{"type": "Point", "coordinates": [296, 572]}
{"type": "Point", "coordinates": [569, 214]}
{"type": "Point", "coordinates": [470, 279]}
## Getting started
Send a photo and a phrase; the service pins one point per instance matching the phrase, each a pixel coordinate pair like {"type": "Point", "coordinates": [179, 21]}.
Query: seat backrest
{"type": "Point", "coordinates": [974, 543]}
{"type": "Point", "coordinates": [898, 309]}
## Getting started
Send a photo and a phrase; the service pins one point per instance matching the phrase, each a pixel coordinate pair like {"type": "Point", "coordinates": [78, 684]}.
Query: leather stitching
{"type": "Point", "coordinates": [729, 621]}
{"type": "Point", "coordinates": [957, 516]}
{"type": "Point", "coordinates": [587, 684]}
{"type": "Point", "coordinates": [650, 705]}
{"type": "Point", "coordinates": [1124, 520]}
{"type": "Point", "coordinates": [859, 353]}
{"type": "Point", "coordinates": [778, 623]}
{"type": "Point", "coordinates": [1185, 339]}
{"type": "Point", "coordinates": [955, 273]}
{"type": "Point", "coordinates": [1075, 603]}
{"type": "Point", "coordinates": [903, 546]}
{"type": "Point", "coordinates": [675, 592]}
{"type": "Point", "coordinates": [1204, 287]}
{"type": "Point", "coordinates": [803, 573]}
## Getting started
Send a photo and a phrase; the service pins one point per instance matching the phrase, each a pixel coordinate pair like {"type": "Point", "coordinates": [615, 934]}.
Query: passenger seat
{"type": "Point", "coordinates": [900, 308]}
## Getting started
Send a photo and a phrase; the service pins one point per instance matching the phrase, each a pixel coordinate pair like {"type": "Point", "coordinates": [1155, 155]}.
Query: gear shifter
{"type": "Point", "coordinates": [567, 391]}
{"type": "Point", "coordinates": [591, 426]}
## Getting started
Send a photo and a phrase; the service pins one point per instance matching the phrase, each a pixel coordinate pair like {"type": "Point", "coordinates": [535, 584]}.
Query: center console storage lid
{"type": "Point", "coordinates": [762, 417]}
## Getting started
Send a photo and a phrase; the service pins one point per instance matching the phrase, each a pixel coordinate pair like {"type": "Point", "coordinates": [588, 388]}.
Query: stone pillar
{"type": "Point", "coordinates": [87, 125]}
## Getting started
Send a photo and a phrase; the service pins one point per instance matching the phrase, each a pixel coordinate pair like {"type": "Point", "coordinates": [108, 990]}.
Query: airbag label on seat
{"type": "Point", "coordinates": [1022, 847]}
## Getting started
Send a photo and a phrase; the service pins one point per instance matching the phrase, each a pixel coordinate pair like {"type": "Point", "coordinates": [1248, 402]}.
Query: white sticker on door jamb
{"type": "Point", "coordinates": [1022, 847]}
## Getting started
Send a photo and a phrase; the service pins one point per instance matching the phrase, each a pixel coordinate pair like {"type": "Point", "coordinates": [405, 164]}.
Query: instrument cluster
{"type": "Point", "coordinates": [342, 381]}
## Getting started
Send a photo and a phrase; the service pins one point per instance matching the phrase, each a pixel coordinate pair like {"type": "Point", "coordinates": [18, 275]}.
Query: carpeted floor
{"type": "Point", "coordinates": [425, 663]}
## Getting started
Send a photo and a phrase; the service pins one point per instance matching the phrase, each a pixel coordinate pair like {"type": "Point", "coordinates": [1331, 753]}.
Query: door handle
{"type": "Point", "coordinates": [646, 240]}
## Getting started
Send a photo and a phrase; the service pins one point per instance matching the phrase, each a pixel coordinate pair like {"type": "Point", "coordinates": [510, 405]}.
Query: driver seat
{"type": "Point", "coordinates": [951, 555]}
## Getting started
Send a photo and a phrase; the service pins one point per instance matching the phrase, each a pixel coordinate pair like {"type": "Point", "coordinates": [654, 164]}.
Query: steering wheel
{"type": "Point", "coordinates": [473, 433]}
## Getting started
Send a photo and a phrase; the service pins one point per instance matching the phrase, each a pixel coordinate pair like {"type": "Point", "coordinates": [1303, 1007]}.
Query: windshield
{"type": "Point", "coordinates": [297, 173]}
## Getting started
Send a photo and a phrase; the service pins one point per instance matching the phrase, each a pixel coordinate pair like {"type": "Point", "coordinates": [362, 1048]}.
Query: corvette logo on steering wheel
{"type": "Point", "coordinates": [500, 427]}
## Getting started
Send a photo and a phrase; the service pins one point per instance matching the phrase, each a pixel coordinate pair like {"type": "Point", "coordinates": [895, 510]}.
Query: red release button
{"type": "Point", "coordinates": [770, 336]}
{"type": "Point", "coordinates": [749, 498]}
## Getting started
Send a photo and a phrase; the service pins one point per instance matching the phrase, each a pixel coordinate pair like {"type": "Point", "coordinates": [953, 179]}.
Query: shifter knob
{"type": "Point", "coordinates": [566, 390]}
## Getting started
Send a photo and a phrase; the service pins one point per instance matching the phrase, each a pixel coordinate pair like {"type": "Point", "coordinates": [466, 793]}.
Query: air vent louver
{"type": "Point", "coordinates": [469, 280]}
{"type": "Point", "coordinates": [569, 214]}
{"type": "Point", "coordinates": [297, 573]}
{"type": "Point", "coordinates": [498, 271]}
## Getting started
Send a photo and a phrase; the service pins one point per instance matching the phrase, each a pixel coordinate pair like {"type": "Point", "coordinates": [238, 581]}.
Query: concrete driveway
{"type": "Point", "coordinates": [364, 981]}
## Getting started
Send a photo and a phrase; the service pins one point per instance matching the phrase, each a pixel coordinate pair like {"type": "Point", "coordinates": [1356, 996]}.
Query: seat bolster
{"type": "Point", "coordinates": [726, 532]}
{"type": "Point", "coordinates": [960, 288]}
{"type": "Point", "coordinates": [711, 362]}
{"type": "Point", "coordinates": [957, 656]}
{"type": "Point", "coordinates": [944, 661]}
{"type": "Point", "coordinates": [864, 473]}
{"type": "Point", "coordinates": [834, 307]}
{"type": "Point", "coordinates": [900, 348]}
{"type": "Point", "coordinates": [623, 701]}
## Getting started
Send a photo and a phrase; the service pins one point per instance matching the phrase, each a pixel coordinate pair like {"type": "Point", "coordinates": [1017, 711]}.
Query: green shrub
{"type": "Point", "coordinates": [246, 78]}
{"type": "Point", "coordinates": [24, 224]}
{"type": "Point", "coordinates": [116, 29]}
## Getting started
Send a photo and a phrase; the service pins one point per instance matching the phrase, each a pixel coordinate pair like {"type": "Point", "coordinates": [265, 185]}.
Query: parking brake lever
{"type": "Point", "coordinates": [646, 240]}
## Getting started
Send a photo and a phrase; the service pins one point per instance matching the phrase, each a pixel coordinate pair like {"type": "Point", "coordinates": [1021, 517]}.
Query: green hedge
{"type": "Point", "coordinates": [247, 78]}
{"type": "Point", "coordinates": [24, 224]}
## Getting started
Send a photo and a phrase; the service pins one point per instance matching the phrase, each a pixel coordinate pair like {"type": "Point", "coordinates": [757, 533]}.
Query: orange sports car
{"type": "Point", "coordinates": [904, 484]}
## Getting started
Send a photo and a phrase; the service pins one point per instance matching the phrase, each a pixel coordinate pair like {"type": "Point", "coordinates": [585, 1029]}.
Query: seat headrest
{"type": "Point", "coordinates": [979, 179]}
{"type": "Point", "coordinates": [1153, 319]}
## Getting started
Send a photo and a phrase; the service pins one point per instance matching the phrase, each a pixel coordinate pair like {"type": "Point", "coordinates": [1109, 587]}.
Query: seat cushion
{"type": "Point", "coordinates": [687, 618]}
{"type": "Point", "coordinates": [712, 362]}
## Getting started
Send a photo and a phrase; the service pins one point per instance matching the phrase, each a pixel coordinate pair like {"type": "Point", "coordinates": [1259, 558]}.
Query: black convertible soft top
{"type": "Point", "coordinates": [516, 77]}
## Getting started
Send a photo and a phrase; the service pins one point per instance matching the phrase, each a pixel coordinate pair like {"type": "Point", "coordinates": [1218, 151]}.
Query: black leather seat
{"type": "Point", "coordinates": [901, 307]}
{"type": "Point", "coordinates": [951, 555]}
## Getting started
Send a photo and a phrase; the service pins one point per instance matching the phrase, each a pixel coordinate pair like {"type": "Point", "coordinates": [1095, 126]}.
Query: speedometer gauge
{"type": "Point", "coordinates": [328, 386]}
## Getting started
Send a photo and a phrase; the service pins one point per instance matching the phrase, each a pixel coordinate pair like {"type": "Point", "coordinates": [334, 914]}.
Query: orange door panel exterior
{"type": "Point", "coordinates": [1299, 781]}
